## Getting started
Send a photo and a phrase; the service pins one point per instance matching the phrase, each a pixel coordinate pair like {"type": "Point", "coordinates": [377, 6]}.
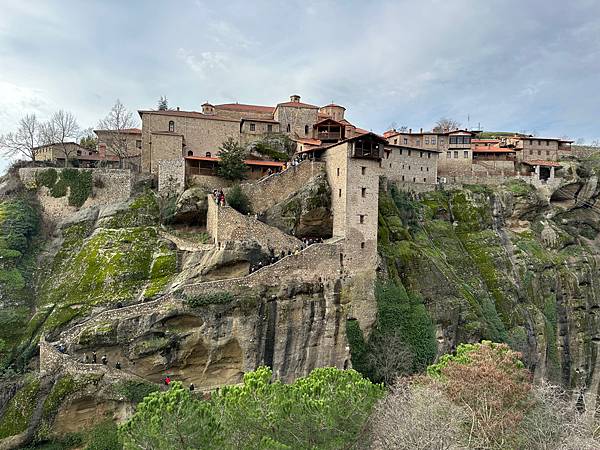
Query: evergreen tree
{"type": "Point", "coordinates": [163, 103]}
{"type": "Point", "coordinates": [231, 165]}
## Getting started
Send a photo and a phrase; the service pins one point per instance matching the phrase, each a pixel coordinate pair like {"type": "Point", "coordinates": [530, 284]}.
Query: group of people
{"type": "Point", "coordinates": [293, 163]}
{"type": "Point", "coordinates": [167, 380]}
{"type": "Point", "coordinates": [103, 360]}
{"type": "Point", "coordinates": [219, 196]}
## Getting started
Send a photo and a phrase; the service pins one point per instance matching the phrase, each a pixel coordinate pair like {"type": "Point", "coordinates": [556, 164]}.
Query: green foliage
{"type": "Point", "coordinates": [278, 147]}
{"type": "Point", "coordinates": [18, 412]}
{"type": "Point", "coordinates": [238, 200]}
{"type": "Point", "coordinates": [135, 391]}
{"type": "Point", "coordinates": [172, 420]}
{"type": "Point", "coordinates": [463, 352]}
{"type": "Point", "coordinates": [105, 436]}
{"type": "Point", "coordinates": [143, 211]}
{"type": "Point", "coordinates": [89, 142]}
{"type": "Point", "coordinates": [358, 347]}
{"type": "Point", "coordinates": [209, 298]}
{"type": "Point", "coordinates": [231, 162]}
{"type": "Point", "coordinates": [62, 388]}
{"type": "Point", "coordinates": [324, 410]}
{"type": "Point", "coordinates": [46, 177]}
{"type": "Point", "coordinates": [78, 182]}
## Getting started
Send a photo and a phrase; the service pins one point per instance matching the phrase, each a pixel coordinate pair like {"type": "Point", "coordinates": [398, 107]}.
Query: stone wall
{"type": "Point", "coordinates": [410, 166]}
{"type": "Point", "coordinates": [171, 176]}
{"type": "Point", "coordinates": [494, 167]}
{"type": "Point", "coordinates": [225, 224]}
{"type": "Point", "coordinates": [108, 186]}
{"type": "Point", "coordinates": [207, 181]}
{"type": "Point", "coordinates": [279, 186]}
{"type": "Point", "coordinates": [297, 118]}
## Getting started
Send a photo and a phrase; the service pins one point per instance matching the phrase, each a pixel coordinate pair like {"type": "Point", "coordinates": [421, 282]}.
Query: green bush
{"type": "Point", "coordinates": [105, 436]}
{"type": "Point", "coordinates": [210, 298]}
{"type": "Point", "coordinates": [238, 200]}
{"type": "Point", "coordinates": [135, 391]}
{"type": "Point", "coordinates": [46, 177]}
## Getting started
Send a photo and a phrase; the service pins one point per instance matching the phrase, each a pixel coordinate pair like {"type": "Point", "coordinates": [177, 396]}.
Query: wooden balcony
{"type": "Point", "coordinates": [329, 135]}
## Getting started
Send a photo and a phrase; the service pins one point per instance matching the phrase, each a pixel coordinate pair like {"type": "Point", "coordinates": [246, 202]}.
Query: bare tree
{"type": "Point", "coordinates": [115, 125]}
{"type": "Point", "coordinates": [389, 357]}
{"type": "Point", "coordinates": [25, 140]}
{"type": "Point", "coordinates": [445, 124]}
{"type": "Point", "coordinates": [417, 416]}
{"type": "Point", "coordinates": [580, 141]}
{"type": "Point", "coordinates": [62, 129]}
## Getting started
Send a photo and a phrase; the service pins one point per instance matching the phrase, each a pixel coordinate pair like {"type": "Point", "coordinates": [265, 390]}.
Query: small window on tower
{"type": "Point", "coordinates": [363, 170]}
{"type": "Point", "coordinates": [269, 128]}
{"type": "Point", "coordinates": [252, 127]}
{"type": "Point", "coordinates": [171, 126]}
{"type": "Point", "coordinates": [339, 193]}
{"type": "Point", "coordinates": [363, 192]}
{"type": "Point", "coordinates": [466, 153]}
{"type": "Point", "coordinates": [362, 245]}
{"type": "Point", "coordinates": [190, 153]}
{"type": "Point", "coordinates": [305, 129]}
{"type": "Point", "coordinates": [361, 218]}
{"type": "Point", "coordinates": [289, 128]}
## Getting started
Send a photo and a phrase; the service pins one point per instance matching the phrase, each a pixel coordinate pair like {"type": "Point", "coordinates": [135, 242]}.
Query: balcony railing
{"type": "Point", "coordinates": [329, 135]}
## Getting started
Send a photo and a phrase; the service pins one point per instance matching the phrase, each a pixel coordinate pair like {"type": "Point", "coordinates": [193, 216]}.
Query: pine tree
{"type": "Point", "coordinates": [163, 103]}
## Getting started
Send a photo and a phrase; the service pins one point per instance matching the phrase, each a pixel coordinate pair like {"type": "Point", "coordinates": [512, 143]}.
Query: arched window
{"type": "Point", "coordinates": [305, 129]}
{"type": "Point", "coordinates": [171, 126]}
{"type": "Point", "coordinates": [208, 154]}
{"type": "Point", "coordinates": [190, 153]}
{"type": "Point", "coordinates": [289, 128]}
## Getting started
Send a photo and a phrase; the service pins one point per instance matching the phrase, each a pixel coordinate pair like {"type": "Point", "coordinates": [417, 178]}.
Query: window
{"type": "Point", "coordinates": [400, 152]}
{"type": "Point", "coordinates": [408, 167]}
{"type": "Point", "coordinates": [420, 154]}
{"type": "Point", "coordinates": [338, 171]}
{"type": "Point", "coordinates": [539, 152]}
{"type": "Point", "coordinates": [289, 128]}
{"type": "Point", "coordinates": [414, 179]}
{"type": "Point", "coordinates": [441, 141]}
{"type": "Point", "coordinates": [448, 155]}
{"type": "Point", "coordinates": [252, 127]}
{"type": "Point", "coordinates": [405, 141]}
{"type": "Point", "coordinates": [208, 154]}
{"type": "Point", "coordinates": [427, 140]}
{"type": "Point", "coordinates": [190, 153]}
{"type": "Point", "coordinates": [402, 177]}
{"type": "Point", "coordinates": [432, 140]}
{"type": "Point", "coordinates": [539, 142]}
{"type": "Point", "coordinates": [455, 154]}
{"type": "Point", "coordinates": [429, 155]}
{"type": "Point", "coordinates": [361, 218]}
{"type": "Point", "coordinates": [390, 165]}
{"type": "Point", "coordinates": [466, 154]}
{"type": "Point", "coordinates": [424, 180]}
{"type": "Point", "coordinates": [428, 169]}
{"type": "Point", "coordinates": [418, 142]}
{"type": "Point", "coordinates": [78, 152]}
{"type": "Point", "coordinates": [531, 151]}
{"type": "Point", "coordinates": [547, 152]}
{"type": "Point", "coordinates": [171, 126]}
{"type": "Point", "coordinates": [409, 153]}
{"type": "Point", "coordinates": [305, 129]}
{"type": "Point", "coordinates": [395, 141]}
{"type": "Point", "coordinates": [363, 192]}
{"type": "Point", "coordinates": [90, 153]}
{"type": "Point", "coordinates": [453, 140]}
{"type": "Point", "coordinates": [339, 192]}
{"type": "Point", "coordinates": [402, 166]}
{"type": "Point", "coordinates": [421, 168]}
{"type": "Point", "coordinates": [362, 245]}
{"type": "Point", "coordinates": [363, 170]}
{"type": "Point", "coordinates": [138, 143]}
{"type": "Point", "coordinates": [547, 142]}
{"type": "Point", "coordinates": [269, 128]}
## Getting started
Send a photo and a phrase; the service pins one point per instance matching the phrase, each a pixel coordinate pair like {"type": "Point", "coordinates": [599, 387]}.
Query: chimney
{"type": "Point", "coordinates": [102, 152]}
{"type": "Point", "coordinates": [295, 98]}
{"type": "Point", "coordinates": [421, 131]}
{"type": "Point", "coordinates": [410, 131]}
{"type": "Point", "coordinates": [178, 108]}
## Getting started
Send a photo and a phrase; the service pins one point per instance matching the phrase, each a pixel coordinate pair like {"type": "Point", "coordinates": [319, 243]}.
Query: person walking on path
{"type": "Point", "coordinates": [93, 357]}
{"type": "Point", "coordinates": [104, 360]}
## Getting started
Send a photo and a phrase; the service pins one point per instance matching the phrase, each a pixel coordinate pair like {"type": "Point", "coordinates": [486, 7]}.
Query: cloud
{"type": "Point", "coordinates": [206, 63]}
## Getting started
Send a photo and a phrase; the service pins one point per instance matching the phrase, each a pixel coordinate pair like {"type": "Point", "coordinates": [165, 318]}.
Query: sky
{"type": "Point", "coordinates": [514, 65]}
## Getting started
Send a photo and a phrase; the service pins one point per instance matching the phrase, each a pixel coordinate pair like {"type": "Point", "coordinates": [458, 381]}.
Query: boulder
{"type": "Point", "coordinates": [191, 207]}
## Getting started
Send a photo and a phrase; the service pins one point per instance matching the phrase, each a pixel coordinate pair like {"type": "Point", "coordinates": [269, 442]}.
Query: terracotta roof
{"type": "Point", "coordinates": [333, 144]}
{"type": "Point", "coordinates": [328, 119]}
{"type": "Point", "coordinates": [248, 162]}
{"type": "Point", "coordinates": [538, 138]}
{"type": "Point", "coordinates": [431, 150]}
{"type": "Point", "coordinates": [363, 131]}
{"type": "Point", "coordinates": [333, 105]}
{"type": "Point", "coordinates": [485, 149]}
{"type": "Point", "coordinates": [541, 162]}
{"type": "Point", "coordinates": [124, 130]}
{"type": "Point", "coordinates": [298, 105]}
{"type": "Point", "coordinates": [475, 141]}
{"type": "Point", "coordinates": [241, 107]}
{"type": "Point", "coordinates": [258, 119]}
{"type": "Point", "coordinates": [309, 141]}
{"type": "Point", "coordinates": [193, 114]}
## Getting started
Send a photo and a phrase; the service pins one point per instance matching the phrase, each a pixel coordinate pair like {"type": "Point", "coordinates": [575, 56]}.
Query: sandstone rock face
{"type": "Point", "coordinates": [306, 213]}
{"type": "Point", "coordinates": [191, 206]}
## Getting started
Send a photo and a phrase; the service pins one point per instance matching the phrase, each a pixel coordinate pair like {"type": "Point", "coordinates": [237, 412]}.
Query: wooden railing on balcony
{"type": "Point", "coordinates": [329, 135]}
{"type": "Point", "coordinates": [201, 171]}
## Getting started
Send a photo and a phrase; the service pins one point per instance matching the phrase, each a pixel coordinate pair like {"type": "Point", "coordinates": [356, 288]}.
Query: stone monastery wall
{"type": "Point", "coordinates": [279, 186]}
{"type": "Point", "coordinates": [171, 176]}
{"type": "Point", "coordinates": [225, 224]}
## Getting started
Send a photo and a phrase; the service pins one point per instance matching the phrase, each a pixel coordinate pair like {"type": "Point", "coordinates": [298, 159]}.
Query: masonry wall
{"type": "Point", "coordinates": [171, 176]}
{"type": "Point", "coordinates": [493, 167]}
{"type": "Point", "coordinates": [405, 165]}
{"type": "Point", "coordinates": [225, 224]}
{"type": "Point", "coordinates": [200, 135]}
{"type": "Point", "coordinates": [279, 186]}
{"type": "Point", "coordinates": [297, 118]}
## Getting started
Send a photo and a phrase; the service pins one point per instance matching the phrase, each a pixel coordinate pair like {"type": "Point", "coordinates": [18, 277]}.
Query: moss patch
{"type": "Point", "coordinates": [18, 412]}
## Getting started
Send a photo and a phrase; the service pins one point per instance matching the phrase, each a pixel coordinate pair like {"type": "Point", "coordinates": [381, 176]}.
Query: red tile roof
{"type": "Point", "coordinates": [309, 141]}
{"type": "Point", "coordinates": [298, 105]}
{"type": "Point", "coordinates": [192, 114]}
{"type": "Point", "coordinates": [124, 130]}
{"type": "Point", "coordinates": [258, 119]}
{"type": "Point", "coordinates": [333, 105]}
{"type": "Point", "coordinates": [241, 107]}
{"type": "Point", "coordinates": [475, 141]}
{"type": "Point", "coordinates": [249, 162]}
{"type": "Point", "coordinates": [541, 162]}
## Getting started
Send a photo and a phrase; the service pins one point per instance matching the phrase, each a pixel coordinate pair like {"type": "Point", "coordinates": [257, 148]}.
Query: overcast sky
{"type": "Point", "coordinates": [505, 64]}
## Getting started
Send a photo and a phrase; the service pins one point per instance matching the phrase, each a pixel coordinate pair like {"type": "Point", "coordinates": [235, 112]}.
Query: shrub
{"type": "Point", "coordinates": [135, 391]}
{"type": "Point", "coordinates": [231, 162]}
{"type": "Point", "coordinates": [238, 200]}
{"type": "Point", "coordinates": [210, 298]}
{"type": "Point", "coordinates": [105, 436]}
{"type": "Point", "coordinates": [46, 177]}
